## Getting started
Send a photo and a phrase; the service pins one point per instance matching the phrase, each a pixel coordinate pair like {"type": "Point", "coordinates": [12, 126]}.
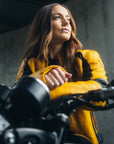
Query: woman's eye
{"type": "Point", "coordinates": [56, 17]}
{"type": "Point", "coordinates": [69, 19]}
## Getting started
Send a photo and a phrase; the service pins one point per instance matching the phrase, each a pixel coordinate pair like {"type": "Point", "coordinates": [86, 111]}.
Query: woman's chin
{"type": "Point", "coordinates": [65, 38]}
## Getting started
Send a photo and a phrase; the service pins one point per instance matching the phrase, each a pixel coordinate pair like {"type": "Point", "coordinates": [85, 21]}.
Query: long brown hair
{"type": "Point", "coordinates": [40, 35]}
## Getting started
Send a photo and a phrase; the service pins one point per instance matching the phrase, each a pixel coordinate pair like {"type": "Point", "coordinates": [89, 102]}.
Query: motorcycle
{"type": "Point", "coordinates": [29, 116]}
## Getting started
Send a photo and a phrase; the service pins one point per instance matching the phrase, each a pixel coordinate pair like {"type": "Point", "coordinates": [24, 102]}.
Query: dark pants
{"type": "Point", "coordinates": [73, 139]}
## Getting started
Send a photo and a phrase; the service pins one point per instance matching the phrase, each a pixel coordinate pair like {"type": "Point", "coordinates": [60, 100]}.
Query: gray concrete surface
{"type": "Point", "coordinates": [95, 29]}
{"type": "Point", "coordinates": [11, 52]}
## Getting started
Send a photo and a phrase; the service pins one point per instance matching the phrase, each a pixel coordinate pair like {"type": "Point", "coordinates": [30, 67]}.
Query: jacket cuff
{"type": "Point", "coordinates": [41, 73]}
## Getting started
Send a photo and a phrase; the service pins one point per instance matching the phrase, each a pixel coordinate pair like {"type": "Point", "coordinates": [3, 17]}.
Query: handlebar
{"type": "Point", "coordinates": [69, 103]}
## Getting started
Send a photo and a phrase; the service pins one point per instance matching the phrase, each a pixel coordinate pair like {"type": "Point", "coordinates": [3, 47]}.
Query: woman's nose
{"type": "Point", "coordinates": [65, 21]}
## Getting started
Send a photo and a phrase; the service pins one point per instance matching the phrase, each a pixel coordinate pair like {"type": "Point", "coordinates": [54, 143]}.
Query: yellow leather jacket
{"type": "Point", "coordinates": [82, 122]}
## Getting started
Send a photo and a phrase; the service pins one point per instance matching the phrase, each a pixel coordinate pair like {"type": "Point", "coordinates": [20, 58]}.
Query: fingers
{"type": "Point", "coordinates": [68, 75]}
{"type": "Point", "coordinates": [59, 75]}
{"type": "Point", "coordinates": [50, 82]}
{"type": "Point", "coordinates": [62, 75]}
{"type": "Point", "coordinates": [56, 77]}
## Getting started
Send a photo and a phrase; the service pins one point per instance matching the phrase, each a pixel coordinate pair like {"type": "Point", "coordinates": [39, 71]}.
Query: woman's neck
{"type": "Point", "coordinates": [55, 49]}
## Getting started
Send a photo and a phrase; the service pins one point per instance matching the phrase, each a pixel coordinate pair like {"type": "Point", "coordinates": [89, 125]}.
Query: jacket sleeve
{"type": "Point", "coordinates": [95, 67]}
{"type": "Point", "coordinates": [97, 74]}
{"type": "Point", "coordinates": [21, 69]}
{"type": "Point", "coordinates": [96, 80]}
{"type": "Point", "coordinates": [26, 68]}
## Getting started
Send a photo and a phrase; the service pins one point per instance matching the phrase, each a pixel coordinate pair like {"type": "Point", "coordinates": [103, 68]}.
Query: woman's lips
{"type": "Point", "coordinates": [65, 30]}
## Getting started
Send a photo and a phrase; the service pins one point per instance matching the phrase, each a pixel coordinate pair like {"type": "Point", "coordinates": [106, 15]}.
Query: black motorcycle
{"type": "Point", "coordinates": [29, 116]}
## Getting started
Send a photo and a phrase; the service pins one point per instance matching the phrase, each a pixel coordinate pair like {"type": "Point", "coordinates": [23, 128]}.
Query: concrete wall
{"type": "Point", "coordinates": [11, 52]}
{"type": "Point", "coordinates": [95, 29]}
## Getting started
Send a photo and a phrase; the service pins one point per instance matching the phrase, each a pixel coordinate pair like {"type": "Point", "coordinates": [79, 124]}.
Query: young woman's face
{"type": "Point", "coordinates": [61, 28]}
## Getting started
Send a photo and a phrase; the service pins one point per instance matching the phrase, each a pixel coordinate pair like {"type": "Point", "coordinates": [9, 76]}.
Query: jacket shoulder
{"type": "Point", "coordinates": [87, 52]}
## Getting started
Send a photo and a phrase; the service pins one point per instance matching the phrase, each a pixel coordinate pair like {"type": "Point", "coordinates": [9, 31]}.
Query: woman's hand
{"type": "Point", "coordinates": [57, 77]}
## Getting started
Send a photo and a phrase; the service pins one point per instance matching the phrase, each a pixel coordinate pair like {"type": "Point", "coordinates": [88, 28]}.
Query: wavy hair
{"type": "Point", "coordinates": [39, 38]}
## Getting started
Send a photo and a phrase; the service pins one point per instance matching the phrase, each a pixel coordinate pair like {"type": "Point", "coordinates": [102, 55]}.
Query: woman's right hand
{"type": "Point", "coordinates": [56, 77]}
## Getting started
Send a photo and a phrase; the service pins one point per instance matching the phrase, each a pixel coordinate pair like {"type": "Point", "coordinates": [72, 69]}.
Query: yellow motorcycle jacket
{"type": "Point", "coordinates": [82, 122]}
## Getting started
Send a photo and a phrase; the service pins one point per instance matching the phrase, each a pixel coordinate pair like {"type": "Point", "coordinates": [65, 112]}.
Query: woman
{"type": "Point", "coordinates": [54, 55]}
